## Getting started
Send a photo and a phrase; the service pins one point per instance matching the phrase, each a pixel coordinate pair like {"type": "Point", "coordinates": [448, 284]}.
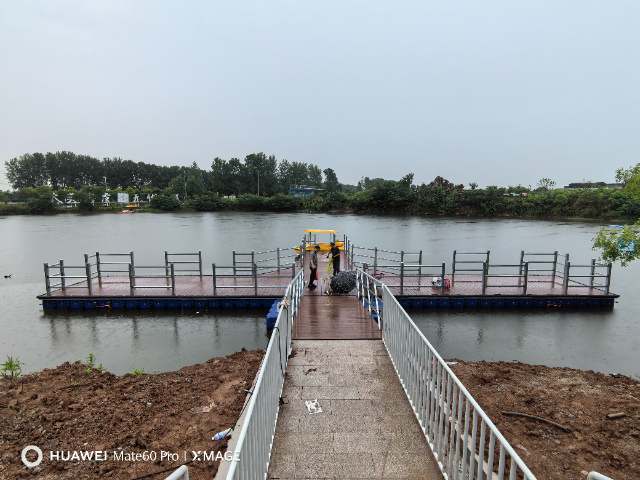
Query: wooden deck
{"type": "Point", "coordinates": [322, 317]}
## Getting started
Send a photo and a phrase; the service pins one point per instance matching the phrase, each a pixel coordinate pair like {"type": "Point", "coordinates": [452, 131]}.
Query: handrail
{"type": "Point", "coordinates": [254, 275]}
{"type": "Point", "coordinates": [438, 399]}
{"type": "Point", "coordinates": [253, 450]}
{"type": "Point", "coordinates": [133, 277]}
{"type": "Point", "coordinates": [62, 275]}
{"type": "Point", "coordinates": [167, 261]}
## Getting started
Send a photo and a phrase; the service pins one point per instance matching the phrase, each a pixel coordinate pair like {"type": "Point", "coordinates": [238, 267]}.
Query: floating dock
{"type": "Point", "coordinates": [257, 279]}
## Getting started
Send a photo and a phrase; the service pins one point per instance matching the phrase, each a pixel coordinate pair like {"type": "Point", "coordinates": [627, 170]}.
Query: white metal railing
{"type": "Point", "coordinates": [181, 473]}
{"type": "Point", "coordinates": [253, 450]}
{"type": "Point", "coordinates": [597, 476]}
{"type": "Point", "coordinates": [457, 429]}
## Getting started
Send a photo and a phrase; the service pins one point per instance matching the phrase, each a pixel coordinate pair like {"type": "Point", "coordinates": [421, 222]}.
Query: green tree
{"type": "Point", "coordinates": [546, 184]}
{"type": "Point", "coordinates": [624, 175]}
{"type": "Point", "coordinates": [632, 186]}
{"type": "Point", "coordinates": [618, 244]}
{"type": "Point", "coordinates": [331, 183]}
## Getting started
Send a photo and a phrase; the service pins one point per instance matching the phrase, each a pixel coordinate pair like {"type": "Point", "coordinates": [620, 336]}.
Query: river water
{"type": "Point", "coordinates": [601, 340]}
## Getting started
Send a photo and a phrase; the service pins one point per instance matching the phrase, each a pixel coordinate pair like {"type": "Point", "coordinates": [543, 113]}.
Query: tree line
{"type": "Point", "coordinates": [257, 174]}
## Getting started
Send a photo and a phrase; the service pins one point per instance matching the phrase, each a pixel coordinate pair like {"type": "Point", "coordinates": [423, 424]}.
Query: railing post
{"type": "Point", "coordinates": [375, 260]}
{"type": "Point", "coordinates": [47, 281]}
{"type": "Point", "coordinates": [253, 257]}
{"type": "Point", "coordinates": [63, 282]}
{"type": "Point", "coordinates": [565, 287]}
{"type": "Point", "coordinates": [555, 262]}
{"type": "Point", "coordinates": [420, 267]}
{"type": "Point", "coordinates": [521, 261]}
{"type": "Point", "coordinates": [200, 261]}
{"type": "Point", "coordinates": [98, 265]}
{"type": "Point", "coordinates": [278, 257]}
{"type": "Point", "coordinates": [166, 263]}
{"type": "Point", "coordinates": [488, 252]}
{"type": "Point", "coordinates": [87, 267]}
{"type": "Point", "coordinates": [484, 277]}
{"type": "Point", "coordinates": [352, 261]}
{"type": "Point", "coordinates": [293, 269]}
{"type": "Point", "coordinates": [444, 280]}
{"type": "Point", "coordinates": [402, 278]}
{"type": "Point", "coordinates": [454, 264]}
{"type": "Point", "coordinates": [593, 270]}
{"type": "Point", "coordinates": [131, 255]}
{"type": "Point", "coordinates": [255, 279]}
{"type": "Point", "coordinates": [173, 279]}
{"type": "Point", "coordinates": [365, 266]}
{"type": "Point", "coordinates": [213, 266]}
{"type": "Point", "coordinates": [606, 290]}
{"type": "Point", "coordinates": [234, 262]}
{"type": "Point", "coordinates": [402, 256]}
{"type": "Point", "coordinates": [131, 279]}
{"type": "Point", "coordinates": [526, 278]}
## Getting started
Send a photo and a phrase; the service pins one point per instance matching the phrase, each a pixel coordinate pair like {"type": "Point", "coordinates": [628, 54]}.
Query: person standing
{"type": "Point", "coordinates": [335, 254]}
{"type": "Point", "coordinates": [313, 266]}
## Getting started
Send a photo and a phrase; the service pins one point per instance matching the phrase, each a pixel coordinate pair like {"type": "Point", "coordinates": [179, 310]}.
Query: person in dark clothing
{"type": "Point", "coordinates": [313, 266]}
{"type": "Point", "coordinates": [335, 254]}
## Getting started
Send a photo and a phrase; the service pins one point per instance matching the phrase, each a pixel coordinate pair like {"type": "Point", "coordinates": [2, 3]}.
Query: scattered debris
{"type": "Point", "coordinates": [613, 416]}
{"type": "Point", "coordinates": [540, 419]}
{"type": "Point", "coordinates": [313, 406]}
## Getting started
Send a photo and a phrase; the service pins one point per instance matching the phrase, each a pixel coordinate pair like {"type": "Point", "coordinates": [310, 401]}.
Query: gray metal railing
{"type": "Point", "coordinates": [553, 262]}
{"type": "Point", "coordinates": [405, 272]}
{"type": "Point", "coordinates": [197, 262]}
{"type": "Point", "coordinates": [62, 275]}
{"type": "Point", "coordinates": [133, 277]}
{"type": "Point", "coordinates": [456, 427]}
{"type": "Point", "coordinates": [569, 277]}
{"type": "Point", "coordinates": [216, 269]}
{"type": "Point", "coordinates": [472, 261]}
{"type": "Point", "coordinates": [99, 262]}
{"type": "Point", "coordinates": [522, 276]}
{"type": "Point", "coordinates": [253, 450]}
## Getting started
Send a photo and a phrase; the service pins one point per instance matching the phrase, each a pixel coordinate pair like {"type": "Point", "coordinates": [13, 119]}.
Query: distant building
{"type": "Point", "coordinates": [303, 190]}
{"type": "Point", "coordinates": [573, 186]}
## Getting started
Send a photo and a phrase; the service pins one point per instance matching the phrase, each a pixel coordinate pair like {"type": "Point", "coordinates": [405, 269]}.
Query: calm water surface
{"type": "Point", "coordinates": [602, 340]}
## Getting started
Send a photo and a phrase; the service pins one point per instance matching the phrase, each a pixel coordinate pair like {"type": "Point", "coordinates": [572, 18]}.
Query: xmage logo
{"type": "Point", "coordinates": [26, 450]}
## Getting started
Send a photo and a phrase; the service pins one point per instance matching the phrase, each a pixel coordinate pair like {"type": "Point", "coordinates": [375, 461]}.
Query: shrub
{"type": "Point", "coordinates": [209, 203]}
{"type": "Point", "coordinates": [164, 202]}
{"type": "Point", "coordinates": [251, 202]}
{"type": "Point", "coordinates": [284, 203]}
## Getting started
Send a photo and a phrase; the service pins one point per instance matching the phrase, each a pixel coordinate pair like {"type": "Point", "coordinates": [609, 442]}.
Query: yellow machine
{"type": "Point", "coordinates": [323, 246]}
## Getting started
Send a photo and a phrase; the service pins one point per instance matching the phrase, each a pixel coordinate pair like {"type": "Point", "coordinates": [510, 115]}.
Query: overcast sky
{"type": "Point", "coordinates": [496, 92]}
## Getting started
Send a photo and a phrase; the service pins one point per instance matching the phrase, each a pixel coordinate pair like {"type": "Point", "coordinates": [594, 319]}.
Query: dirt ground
{"type": "Point", "coordinates": [579, 400]}
{"type": "Point", "coordinates": [72, 408]}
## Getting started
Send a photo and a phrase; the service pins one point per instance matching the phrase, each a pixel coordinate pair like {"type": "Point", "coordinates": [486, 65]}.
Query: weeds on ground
{"type": "Point", "coordinates": [11, 366]}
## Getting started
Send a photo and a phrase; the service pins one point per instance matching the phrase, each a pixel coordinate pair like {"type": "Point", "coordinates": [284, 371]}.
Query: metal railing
{"type": "Point", "coordinates": [198, 262]}
{"type": "Point", "coordinates": [522, 276]}
{"type": "Point", "coordinates": [99, 262]}
{"type": "Point", "coordinates": [253, 450]}
{"type": "Point", "coordinates": [374, 256]}
{"type": "Point", "coordinates": [366, 288]}
{"type": "Point", "coordinates": [216, 275]}
{"type": "Point", "coordinates": [181, 473]}
{"type": "Point", "coordinates": [405, 272]}
{"type": "Point", "coordinates": [171, 276]}
{"type": "Point", "coordinates": [455, 267]}
{"type": "Point", "coordinates": [62, 275]}
{"type": "Point", "coordinates": [245, 266]}
{"type": "Point", "coordinates": [553, 262]}
{"type": "Point", "coordinates": [569, 277]}
{"type": "Point", "coordinates": [455, 426]}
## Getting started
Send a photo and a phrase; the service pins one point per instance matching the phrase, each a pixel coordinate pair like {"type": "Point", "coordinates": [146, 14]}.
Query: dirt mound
{"type": "Point", "coordinates": [579, 400]}
{"type": "Point", "coordinates": [74, 408]}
